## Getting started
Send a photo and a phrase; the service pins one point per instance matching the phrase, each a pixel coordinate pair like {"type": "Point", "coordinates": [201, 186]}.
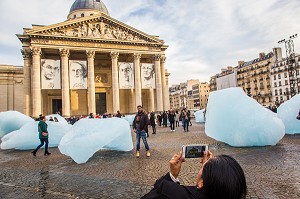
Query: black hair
{"type": "Point", "coordinates": [224, 178]}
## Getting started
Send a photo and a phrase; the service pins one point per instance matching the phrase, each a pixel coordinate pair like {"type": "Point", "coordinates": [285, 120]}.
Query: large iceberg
{"type": "Point", "coordinates": [11, 121]}
{"type": "Point", "coordinates": [129, 119]}
{"type": "Point", "coordinates": [27, 137]}
{"type": "Point", "coordinates": [288, 112]}
{"type": "Point", "coordinates": [90, 135]}
{"type": "Point", "coordinates": [199, 115]}
{"type": "Point", "coordinates": [238, 120]}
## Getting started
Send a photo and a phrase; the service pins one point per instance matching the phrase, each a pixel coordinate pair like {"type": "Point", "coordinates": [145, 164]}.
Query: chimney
{"type": "Point", "coordinates": [277, 54]}
{"type": "Point", "coordinates": [240, 63]}
{"type": "Point", "coordinates": [261, 55]}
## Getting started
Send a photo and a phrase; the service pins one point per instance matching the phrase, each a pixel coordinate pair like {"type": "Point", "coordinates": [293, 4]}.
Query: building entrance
{"type": "Point", "coordinates": [56, 105]}
{"type": "Point", "coordinates": [101, 103]}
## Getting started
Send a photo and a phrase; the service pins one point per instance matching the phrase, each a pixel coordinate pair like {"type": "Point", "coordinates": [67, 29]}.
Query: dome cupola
{"type": "Point", "coordinates": [84, 8]}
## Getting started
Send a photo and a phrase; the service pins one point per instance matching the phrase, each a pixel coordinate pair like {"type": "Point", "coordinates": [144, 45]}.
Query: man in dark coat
{"type": "Point", "coordinates": [140, 126]}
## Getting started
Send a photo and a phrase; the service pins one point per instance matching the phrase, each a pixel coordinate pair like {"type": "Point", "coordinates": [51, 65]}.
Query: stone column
{"type": "Point", "coordinates": [137, 79]}
{"type": "Point", "coordinates": [65, 89]}
{"type": "Point", "coordinates": [91, 81]}
{"type": "Point", "coordinates": [164, 84]}
{"type": "Point", "coordinates": [27, 81]}
{"type": "Point", "coordinates": [115, 81]}
{"type": "Point", "coordinates": [159, 94]}
{"type": "Point", "coordinates": [132, 105]}
{"type": "Point", "coordinates": [36, 82]}
{"type": "Point", "coordinates": [151, 99]}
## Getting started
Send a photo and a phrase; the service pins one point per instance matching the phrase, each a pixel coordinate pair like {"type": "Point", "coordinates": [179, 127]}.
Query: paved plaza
{"type": "Point", "coordinates": [271, 172]}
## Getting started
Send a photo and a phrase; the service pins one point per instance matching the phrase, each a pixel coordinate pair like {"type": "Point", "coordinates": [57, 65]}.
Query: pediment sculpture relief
{"type": "Point", "coordinates": [98, 30]}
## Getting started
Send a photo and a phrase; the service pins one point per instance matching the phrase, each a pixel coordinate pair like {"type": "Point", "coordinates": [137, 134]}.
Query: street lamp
{"type": "Point", "coordinates": [291, 62]}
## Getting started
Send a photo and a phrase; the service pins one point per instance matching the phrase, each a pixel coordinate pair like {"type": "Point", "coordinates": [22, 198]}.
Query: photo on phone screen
{"type": "Point", "coordinates": [194, 151]}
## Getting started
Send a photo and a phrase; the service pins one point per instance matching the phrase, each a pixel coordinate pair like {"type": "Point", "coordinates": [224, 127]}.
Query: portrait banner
{"type": "Point", "coordinates": [50, 74]}
{"type": "Point", "coordinates": [78, 74]}
{"type": "Point", "coordinates": [148, 76]}
{"type": "Point", "coordinates": [126, 75]}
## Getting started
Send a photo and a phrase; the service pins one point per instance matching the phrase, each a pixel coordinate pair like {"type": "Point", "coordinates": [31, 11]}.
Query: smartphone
{"type": "Point", "coordinates": [194, 150]}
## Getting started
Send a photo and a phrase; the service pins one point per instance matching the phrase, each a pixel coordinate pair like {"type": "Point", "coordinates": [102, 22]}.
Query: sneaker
{"type": "Point", "coordinates": [148, 154]}
{"type": "Point", "coordinates": [137, 154]}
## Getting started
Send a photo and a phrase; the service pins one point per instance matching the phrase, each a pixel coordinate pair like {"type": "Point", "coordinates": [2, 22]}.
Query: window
{"type": "Point", "coordinates": [285, 75]}
{"type": "Point", "coordinates": [276, 93]}
{"type": "Point", "coordinates": [279, 77]}
{"type": "Point", "coordinates": [297, 72]}
{"type": "Point", "coordinates": [82, 15]}
{"type": "Point", "coordinates": [286, 82]}
{"type": "Point", "coordinates": [279, 83]}
{"type": "Point", "coordinates": [280, 91]}
{"type": "Point", "coordinates": [275, 84]}
{"type": "Point", "coordinates": [274, 77]}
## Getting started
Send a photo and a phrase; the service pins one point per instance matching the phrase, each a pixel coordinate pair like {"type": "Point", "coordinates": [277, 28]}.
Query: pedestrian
{"type": "Point", "coordinates": [177, 119]}
{"type": "Point", "coordinates": [220, 177]}
{"type": "Point", "coordinates": [118, 114]}
{"type": "Point", "coordinates": [139, 125]}
{"type": "Point", "coordinates": [152, 122]}
{"type": "Point", "coordinates": [51, 119]}
{"type": "Point", "coordinates": [171, 116]}
{"type": "Point", "coordinates": [55, 119]}
{"type": "Point", "coordinates": [43, 136]}
{"type": "Point", "coordinates": [91, 116]}
{"type": "Point", "coordinates": [165, 119]}
{"type": "Point", "coordinates": [189, 117]}
{"type": "Point", "coordinates": [159, 118]}
{"type": "Point", "coordinates": [185, 120]}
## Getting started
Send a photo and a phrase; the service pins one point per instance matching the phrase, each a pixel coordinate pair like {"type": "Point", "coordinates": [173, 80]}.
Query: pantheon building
{"type": "Point", "coordinates": [90, 63]}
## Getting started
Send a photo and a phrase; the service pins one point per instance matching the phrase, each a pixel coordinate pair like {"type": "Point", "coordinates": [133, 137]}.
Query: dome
{"type": "Point", "coordinates": [97, 5]}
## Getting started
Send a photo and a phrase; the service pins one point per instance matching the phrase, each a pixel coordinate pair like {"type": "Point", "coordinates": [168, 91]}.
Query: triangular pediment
{"type": "Point", "coordinates": [100, 27]}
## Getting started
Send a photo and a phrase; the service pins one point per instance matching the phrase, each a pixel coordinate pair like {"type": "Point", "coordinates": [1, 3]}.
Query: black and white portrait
{"type": "Point", "coordinates": [50, 74]}
{"type": "Point", "coordinates": [148, 75]}
{"type": "Point", "coordinates": [78, 74]}
{"type": "Point", "coordinates": [126, 77]}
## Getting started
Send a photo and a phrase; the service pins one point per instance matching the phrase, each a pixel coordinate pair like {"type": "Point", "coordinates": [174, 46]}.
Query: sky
{"type": "Point", "coordinates": [203, 35]}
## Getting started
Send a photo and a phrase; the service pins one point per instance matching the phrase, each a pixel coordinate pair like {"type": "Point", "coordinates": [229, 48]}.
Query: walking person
{"type": "Point", "coordinates": [43, 136]}
{"type": "Point", "coordinates": [189, 117]}
{"type": "Point", "coordinates": [177, 115]}
{"type": "Point", "coordinates": [140, 126]}
{"type": "Point", "coordinates": [172, 119]}
{"type": "Point", "coordinates": [165, 119]}
{"type": "Point", "coordinates": [185, 120]}
{"type": "Point", "coordinates": [152, 122]}
{"type": "Point", "coordinates": [159, 118]}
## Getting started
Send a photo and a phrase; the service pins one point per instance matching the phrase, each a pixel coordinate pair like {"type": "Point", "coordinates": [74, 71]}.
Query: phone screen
{"type": "Point", "coordinates": [194, 151]}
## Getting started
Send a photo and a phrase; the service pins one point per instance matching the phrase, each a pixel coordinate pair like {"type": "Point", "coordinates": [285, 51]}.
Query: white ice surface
{"type": "Point", "coordinates": [288, 112]}
{"type": "Point", "coordinates": [238, 120]}
{"type": "Point", "coordinates": [89, 136]}
{"type": "Point", "coordinates": [11, 121]}
{"type": "Point", "coordinates": [27, 137]}
{"type": "Point", "coordinates": [199, 116]}
{"type": "Point", "coordinates": [129, 119]}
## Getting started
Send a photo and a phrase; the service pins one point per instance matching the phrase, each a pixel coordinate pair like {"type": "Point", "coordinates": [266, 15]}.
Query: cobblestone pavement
{"type": "Point", "coordinates": [271, 172]}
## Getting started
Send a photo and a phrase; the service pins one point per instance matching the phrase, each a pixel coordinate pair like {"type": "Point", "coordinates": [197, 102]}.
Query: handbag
{"type": "Point", "coordinates": [44, 134]}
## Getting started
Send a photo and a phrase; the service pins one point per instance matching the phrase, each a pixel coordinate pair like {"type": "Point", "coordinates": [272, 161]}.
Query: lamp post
{"type": "Point", "coordinates": [291, 63]}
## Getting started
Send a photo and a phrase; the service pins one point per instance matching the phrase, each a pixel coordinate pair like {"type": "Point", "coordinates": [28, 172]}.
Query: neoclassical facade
{"type": "Point", "coordinates": [92, 63]}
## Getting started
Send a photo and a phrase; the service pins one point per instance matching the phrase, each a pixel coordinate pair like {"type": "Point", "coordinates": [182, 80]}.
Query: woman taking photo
{"type": "Point", "coordinates": [220, 177]}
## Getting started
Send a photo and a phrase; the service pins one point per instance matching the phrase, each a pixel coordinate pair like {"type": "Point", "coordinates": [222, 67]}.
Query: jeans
{"type": "Point", "coordinates": [172, 125]}
{"type": "Point", "coordinates": [139, 135]}
{"type": "Point", "coordinates": [43, 140]}
{"type": "Point", "coordinates": [186, 125]}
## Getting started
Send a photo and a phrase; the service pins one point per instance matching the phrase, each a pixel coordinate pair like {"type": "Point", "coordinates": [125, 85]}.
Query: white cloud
{"type": "Point", "coordinates": [203, 35]}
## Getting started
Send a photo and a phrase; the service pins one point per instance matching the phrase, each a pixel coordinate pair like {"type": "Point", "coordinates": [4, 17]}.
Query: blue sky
{"type": "Point", "coordinates": [203, 35]}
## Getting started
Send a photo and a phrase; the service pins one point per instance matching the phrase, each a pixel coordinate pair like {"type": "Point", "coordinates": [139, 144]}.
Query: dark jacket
{"type": "Point", "coordinates": [171, 117]}
{"type": "Point", "coordinates": [42, 127]}
{"type": "Point", "coordinates": [165, 188]}
{"type": "Point", "coordinates": [143, 121]}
